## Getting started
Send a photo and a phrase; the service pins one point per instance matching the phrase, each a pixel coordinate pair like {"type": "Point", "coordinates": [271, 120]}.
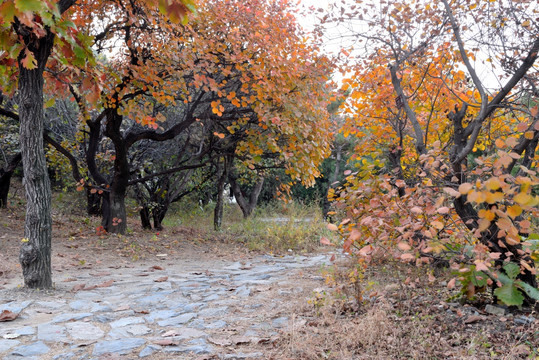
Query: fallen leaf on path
{"type": "Point", "coordinates": [157, 267]}
{"type": "Point", "coordinates": [220, 341]}
{"type": "Point", "coordinates": [170, 333]}
{"type": "Point", "coordinates": [91, 287]}
{"type": "Point", "coordinates": [161, 279]}
{"type": "Point", "coordinates": [166, 342]}
{"type": "Point", "coordinates": [69, 280]}
{"type": "Point", "coordinates": [472, 319]}
{"type": "Point", "coordinates": [7, 315]}
{"type": "Point", "coordinates": [78, 287]}
{"type": "Point", "coordinates": [105, 284]}
{"type": "Point", "coordinates": [142, 311]}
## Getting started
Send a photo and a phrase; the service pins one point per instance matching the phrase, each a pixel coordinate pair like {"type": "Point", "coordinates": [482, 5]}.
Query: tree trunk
{"type": "Point", "coordinates": [145, 218]}
{"type": "Point", "coordinates": [247, 207]}
{"type": "Point", "coordinates": [114, 213]}
{"type": "Point", "coordinates": [333, 179]}
{"type": "Point", "coordinates": [93, 203]}
{"type": "Point", "coordinates": [5, 178]}
{"type": "Point", "coordinates": [35, 253]}
{"type": "Point", "coordinates": [116, 216]}
{"type": "Point", "coordinates": [219, 203]}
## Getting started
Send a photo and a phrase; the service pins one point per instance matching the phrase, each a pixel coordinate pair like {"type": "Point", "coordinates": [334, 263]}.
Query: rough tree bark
{"type": "Point", "coordinates": [35, 253]}
{"type": "Point", "coordinates": [219, 203]}
{"type": "Point", "coordinates": [247, 202]}
{"type": "Point", "coordinates": [5, 178]}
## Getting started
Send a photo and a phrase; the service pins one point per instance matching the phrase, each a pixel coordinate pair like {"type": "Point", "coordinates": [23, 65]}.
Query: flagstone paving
{"type": "Point", "coordinates": [157, 311]}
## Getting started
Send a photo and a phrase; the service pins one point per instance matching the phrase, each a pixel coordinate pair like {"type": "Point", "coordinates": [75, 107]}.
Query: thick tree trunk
{"type": "Point", "coordinates": [5, 178]}
{"type": "Point", "coordinates": [114, 221]}
{"type": "Point", "coordinates": [114, 213]}
{"type": "Point", "coordinates": [145, 218]}
{"type": "Point", "coordinates": [247, 206]}
{"type": "Point", "coordinates": [35, 253]}
{"type": "Point", "coordinates": [93, 203]}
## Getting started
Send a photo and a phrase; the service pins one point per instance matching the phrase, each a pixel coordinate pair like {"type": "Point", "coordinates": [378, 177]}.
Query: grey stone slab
{"type": "Point", "coordinates": [243, 291]}
{"type": "Point", "coordinates": [5, 345]}
{"type": "Point", "coordinates": [70, 317]}
{"type": "Point", "coordinates": [212, 297]}
{"type": "Point", "coordinates": [243, 356]}
{"type": "Point", "coordinates": [192, 307]}
{"type": "Point", "coordinates": [189, 333]}
{"type": "Point", "coordinates": [151, 299]}
{"type": "Point", "coordinates": [88, 295]}
{"type": "Point", "coordinates": [84, 331]}
{"type": "Point", "coordinates": [14, 306]}
{"type": "Point", "coordinates": [149, 350]}
{"type": "Point", "coordinates": [129, 331]}
{"type": "Point", "coordinates": [209, 312]}
{"type": "Point", "coordinates": [35, 349]}
{"type": "Point", "coordinates": [26, 330]}
{"type": "Point", "coordinates": [279, 322]}
{"type": "Point", "coordinates": [195, 349]}
{"type": "Point", "coordinates": [138, 330]}
{"type": "Point", "coordinates": [64, 356]}
{"type": "Point", "coordinates": [126, 321]}
{"type": "Point", "coordinates": [51, 304]}
{"type": "Point", "coordinates": [51, 332]}
{"type": "Point", "coordinates": [160, 315]}
{"type": "Point", "coordinates": [166, 285]}
{"type": "Point", "coordinates": [120, 346]}
{"type": "Point", "coordinates": [177, 320]}
{"type": "Point", "coordinates": [81, 305]}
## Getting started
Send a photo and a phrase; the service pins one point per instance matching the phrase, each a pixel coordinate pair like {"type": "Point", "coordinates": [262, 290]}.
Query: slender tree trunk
{"type": "Point", "coordinates": [5, 178]}
{"type": "Point", "coordinates": [333, 179]}
{"type": "Point", "coordinates": [35, 253]}
{"type": "Point", "coordinates": [219, 203]}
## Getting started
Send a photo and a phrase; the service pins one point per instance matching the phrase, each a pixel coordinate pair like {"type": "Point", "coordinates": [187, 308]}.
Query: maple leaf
{"type": "Point", "coordinates": [29, 61]}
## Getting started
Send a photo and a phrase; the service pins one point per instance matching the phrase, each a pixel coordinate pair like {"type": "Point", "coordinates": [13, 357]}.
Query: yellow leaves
{"type": "Point", "coordinates": [499, 143]}
{"type": "Point", "coordinates": [487, 214]}
{"type": "Point", "coordinates": [437, 225]}
{"type": "Point", "coordinates": [525, 199]}
{"type": "Point", "coordinates": [493, 184]}
{"type": "Point", "coordinates": [529, 135]}
{"type": "Point", "coordinates": [514, 210]}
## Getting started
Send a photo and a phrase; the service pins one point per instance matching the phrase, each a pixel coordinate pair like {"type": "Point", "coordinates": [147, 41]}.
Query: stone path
{"type": "Point", "coordinates": [157, 311]}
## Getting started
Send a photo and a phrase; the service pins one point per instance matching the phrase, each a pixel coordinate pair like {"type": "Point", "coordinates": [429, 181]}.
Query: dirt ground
{"type": "Point", "coordinates": [393, 313]}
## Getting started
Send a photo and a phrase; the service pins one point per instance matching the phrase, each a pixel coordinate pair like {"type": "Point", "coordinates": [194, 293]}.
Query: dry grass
{"type": "Point", "coordinates": [397, 321]}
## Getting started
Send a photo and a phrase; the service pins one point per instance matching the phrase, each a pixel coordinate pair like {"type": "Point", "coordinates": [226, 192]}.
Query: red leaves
{"type": "Point", "coordinates": [7, 315]}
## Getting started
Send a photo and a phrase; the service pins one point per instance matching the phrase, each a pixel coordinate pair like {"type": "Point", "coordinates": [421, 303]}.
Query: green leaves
{"type": "Point", "coordinates": [509, 295]}
{"type": "Point", "coordinates": [511, 292]}
{"type": "Point", "coordinates": [29, 5]}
